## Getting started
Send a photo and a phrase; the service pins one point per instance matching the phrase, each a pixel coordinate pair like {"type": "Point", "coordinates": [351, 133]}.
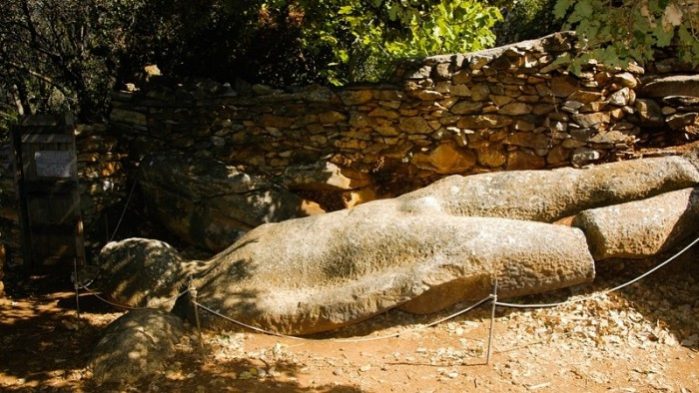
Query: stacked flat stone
{"type": "Point", "coordinates": [672, 102]}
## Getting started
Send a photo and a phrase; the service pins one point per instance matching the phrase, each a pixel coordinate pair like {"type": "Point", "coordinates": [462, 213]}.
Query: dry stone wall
{"type": "Point", "coordinates": [513, 107]}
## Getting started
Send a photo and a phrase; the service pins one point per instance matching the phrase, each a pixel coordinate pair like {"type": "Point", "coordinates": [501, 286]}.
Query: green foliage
{"type": "Point", "coordinates": [61, 54]}
{"type": "Point", "coordinates": [620, 31]}
{"type": "Point", "coordinates": [527, 19]}
{"type": "Point", "coordinates": [367, 38]}
{"type": "Point", "coordinates": [70, 54]}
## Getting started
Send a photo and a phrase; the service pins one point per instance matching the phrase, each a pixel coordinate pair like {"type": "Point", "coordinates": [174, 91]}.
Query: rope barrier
{"type": "Point", "coordinates": [343, 340]}
{"type": "Point", "coordinates": [123, 212]}
{"type": "Point", "coordinates": [490, 298]}
{"type": "Point", "coordinates": [605, 292]}
{"type": "Point", "coordinates": [160, 303]}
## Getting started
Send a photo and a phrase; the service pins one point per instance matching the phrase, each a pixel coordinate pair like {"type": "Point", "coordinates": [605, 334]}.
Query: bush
{"type": "Point", "coordinates": [527, 19]}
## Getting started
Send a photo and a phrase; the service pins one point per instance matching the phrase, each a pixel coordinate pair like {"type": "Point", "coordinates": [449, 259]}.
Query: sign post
{"type": "Point", "coordinates": [49, 196]}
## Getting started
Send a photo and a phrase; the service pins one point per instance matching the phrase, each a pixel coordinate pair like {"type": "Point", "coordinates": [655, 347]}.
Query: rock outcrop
{"type": "Point", "coordinates": [135, 346]}
{"type": "Point", "coordinates": [641, 229]}
{"type": "Point", "coordinates": [209, 204]}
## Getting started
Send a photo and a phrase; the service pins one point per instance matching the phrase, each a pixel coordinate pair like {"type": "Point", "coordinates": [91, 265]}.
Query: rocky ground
{"type": "Point", "coordinates": [642, 339]}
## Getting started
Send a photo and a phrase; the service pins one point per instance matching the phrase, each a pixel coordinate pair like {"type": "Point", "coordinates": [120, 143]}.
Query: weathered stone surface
{"type": "Point", "coordinates": [643, 228]}
{"type": "Point", "coordinates": [626, 79]}
{"type": "Point", "coordinates": [484, 121]}
{"type": "Point", "coordinates": [331, 117]}
{"type": "Point", "coordinates": [501, 100]}
{"type": "Point", "coordinates": [649, 111]}
{"type": "Point", "coordinates": [558, 155]}
{"type": "Point", "coordinates": [381, 255]}
{"type": "Point", "coordinates": [209, 204]}
{"type": "Point", "coordinates": [679, 120]}
{"type": "Point", "coordinates": [621, 97]}
{"type": "Point", "coordinates": [480, 92]}
{"type": "Point", "coordinates": [585, 96]}
{"type": "Point", "coordinates": [460, 91]}
{"type": "Point", "coordinates": [466, 107]}
{"type": "Point", "coordinates": [517, 160]}
{"type": "Point", "coordinates": [525, 139]}
{"type": "Point", "coordinates": [416, 125]}
{"type": "Point", "coordinates": [491, 155]}
{"type": "Point", "coordinates": [136, 346]}
{"type": "Point", "coordinates": [356, 97]}
{"type": "Point", "coordinates": [446, 159]}
{"type": "Point", "coordinates": [354, 198]}
{"type": "Point", "coordinates": [268, 120]}
{"type": "Point", "coordinates": [515, 108]}
{"type": "Point", "coordinates": [591, 119]}
{"type": "Point", "coordinates": [323, 176]}
{"type": "Point", "coordinates": [676, 85]}
{"type": "Point", "coordinates": [563, 86]}
{"type": "Point", "coordinates": [583, 155]}
{"type": "Point", "coordinates": [142, 273]}
{"type": "Point", "coordinates": [676, 100]}
{"type": "Point", "coordinates": [128, 116]}
{"type": "Point", "coordinates": [550, 195]}
{"type": "Point", "coordinates": [382, 112]}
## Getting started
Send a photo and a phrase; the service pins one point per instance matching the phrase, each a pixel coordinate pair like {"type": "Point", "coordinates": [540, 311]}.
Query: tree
{"type": "Point", "coordinates": [70, 54]}
{"type": "Point", "coordinates": [367, 38]}
{"type": "Point", "coordinates": [527, 19]}
{"type": "Point", "coordinates": [618, 31]}
{"type": "Point", "coordinates": [62, 54]}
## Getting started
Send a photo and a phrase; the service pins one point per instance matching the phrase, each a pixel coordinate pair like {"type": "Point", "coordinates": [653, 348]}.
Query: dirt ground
{"type": "Point", "coordinates": [644, 338]}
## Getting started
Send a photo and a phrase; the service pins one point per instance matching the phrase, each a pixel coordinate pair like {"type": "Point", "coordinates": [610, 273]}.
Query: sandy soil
{"type": "Point", "coordinates": [642, 339]}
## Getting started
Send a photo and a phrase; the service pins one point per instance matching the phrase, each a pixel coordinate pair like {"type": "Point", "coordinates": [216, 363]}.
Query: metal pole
{"type": "Point", "coordinates": [193, 293]}
{"type": "Point", "coordinates": [76, 286]}
{"type": "Point", "coordinates": [494, 297]}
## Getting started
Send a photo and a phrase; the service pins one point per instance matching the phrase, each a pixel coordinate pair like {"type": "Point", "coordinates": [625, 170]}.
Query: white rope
{"type": "Point", "coordinates": [123, 212]}
{"type": "Point", "coordinates": [491, 297]}
{"type": "Point", "coordinates": [618, 287]}
{"type": "Point", "coordinates": [160, 303]}
{"type": "Point", "coordinates": [346, 340]}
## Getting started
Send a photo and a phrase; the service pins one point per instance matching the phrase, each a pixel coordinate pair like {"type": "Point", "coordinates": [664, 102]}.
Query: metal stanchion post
{"type": "Point", "coordinates": [76, 286]}
{"type": "Point", "coordinates": [193, 293]}
{"type": "Point", "coordinates": [494, 300]}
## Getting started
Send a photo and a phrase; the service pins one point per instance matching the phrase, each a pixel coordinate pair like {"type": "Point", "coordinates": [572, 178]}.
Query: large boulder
{"type": "Point", "coordinates": [642, 228]}
{"type": "Point", "coordinates": [143, 273]}
{"type": "Point", "coordinates": [135, 346]}
{"type": "Point", "coordinates": [209, 204]}
{"type": "Point", "coordinates": [319, 273]}
{"type": "Point", "coordinates": [549, 195]}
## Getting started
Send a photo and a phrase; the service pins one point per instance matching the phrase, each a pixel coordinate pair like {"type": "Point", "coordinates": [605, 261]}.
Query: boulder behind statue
{"type": "Point", "coordinates": [209, 204]}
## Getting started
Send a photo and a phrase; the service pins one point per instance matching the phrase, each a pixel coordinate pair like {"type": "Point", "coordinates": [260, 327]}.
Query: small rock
{"type": "Point", "coordinates": [626, 79]}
